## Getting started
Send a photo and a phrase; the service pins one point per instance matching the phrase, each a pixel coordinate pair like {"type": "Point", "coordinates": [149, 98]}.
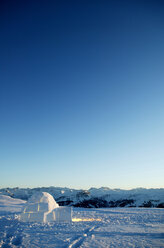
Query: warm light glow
{"type": "Point", "coordinates": [31, 212]}
{"type": "Point", "coordinates": [85, 219]}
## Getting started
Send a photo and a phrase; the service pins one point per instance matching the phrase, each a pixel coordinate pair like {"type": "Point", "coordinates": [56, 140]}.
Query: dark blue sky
{"type": "Point", "coordinates": [81, 93]}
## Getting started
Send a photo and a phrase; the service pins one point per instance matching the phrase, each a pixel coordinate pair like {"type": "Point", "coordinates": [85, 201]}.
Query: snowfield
{"type": "Point", "coordinates": [119, 227]}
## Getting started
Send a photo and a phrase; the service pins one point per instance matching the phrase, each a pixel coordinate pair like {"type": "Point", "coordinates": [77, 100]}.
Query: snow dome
{"type": "Point", "coordinates": [42, 207]}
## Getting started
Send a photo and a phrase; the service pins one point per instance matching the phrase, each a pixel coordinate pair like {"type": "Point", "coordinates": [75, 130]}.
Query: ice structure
{"type": "Point", "coordinates": [42, 207]}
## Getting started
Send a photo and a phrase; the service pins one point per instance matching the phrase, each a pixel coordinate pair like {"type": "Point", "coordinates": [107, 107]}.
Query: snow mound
{"type": "Point", "coordinates": [6, 200]}
{"type": "Point", "coordinates": [9, 204]}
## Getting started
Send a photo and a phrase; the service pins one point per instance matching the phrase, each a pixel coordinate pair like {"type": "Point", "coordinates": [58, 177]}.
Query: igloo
{"type": "Point", "coordinates": [42, 207]}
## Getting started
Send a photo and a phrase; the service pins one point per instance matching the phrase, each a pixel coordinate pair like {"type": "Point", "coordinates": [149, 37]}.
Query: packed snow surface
{"type": "Point", "coordinates": [118, 227]}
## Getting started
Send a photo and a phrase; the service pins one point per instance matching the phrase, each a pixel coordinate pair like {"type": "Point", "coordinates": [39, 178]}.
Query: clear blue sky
{"type": "Point", "coordinates": [82, 93]}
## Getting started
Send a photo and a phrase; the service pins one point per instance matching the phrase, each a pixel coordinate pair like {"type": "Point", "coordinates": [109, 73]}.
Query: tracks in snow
{"type": "Point", "coordinates": [77, 241]}
{"type": "Point", "coordinates": [12, 236]}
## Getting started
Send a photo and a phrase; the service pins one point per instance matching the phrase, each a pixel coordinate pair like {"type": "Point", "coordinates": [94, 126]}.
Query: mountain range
{"type": "Point", "coordinates": [95, 197]}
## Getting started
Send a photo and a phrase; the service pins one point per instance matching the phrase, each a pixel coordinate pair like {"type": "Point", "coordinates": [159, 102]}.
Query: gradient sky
{"type": "Point", "coordinates": [82, 93]}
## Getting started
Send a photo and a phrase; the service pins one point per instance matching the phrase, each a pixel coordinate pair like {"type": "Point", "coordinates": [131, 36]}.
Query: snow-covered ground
{"type": "Point", "coordinates": [119, 227]}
